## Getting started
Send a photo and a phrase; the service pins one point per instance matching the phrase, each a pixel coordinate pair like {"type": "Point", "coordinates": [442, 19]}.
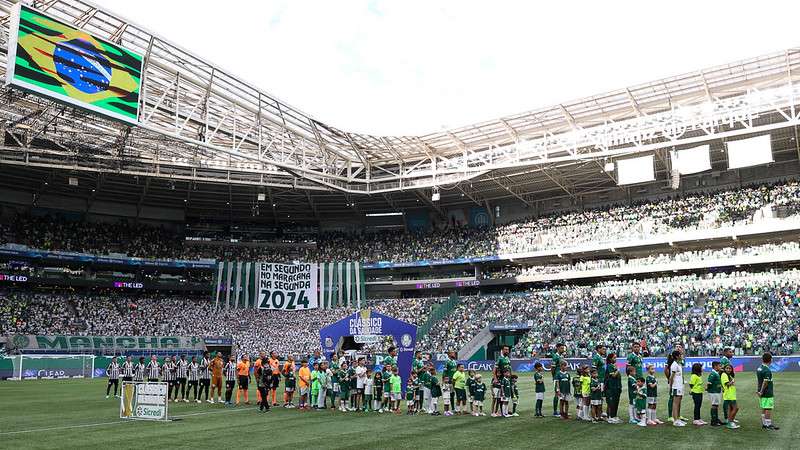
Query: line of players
{"type": "Point", "coordinates": [357, 388]}
{"type": "Point", "coordinates": [193, 378]}
{"type": "Point", "coordinates": [602, 383]}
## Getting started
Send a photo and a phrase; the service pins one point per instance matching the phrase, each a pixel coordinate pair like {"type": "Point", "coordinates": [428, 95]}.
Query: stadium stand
{"type": "Point", "coordinates": [702, 312]}
{"type": "Point", "coordinates": [690, 212]}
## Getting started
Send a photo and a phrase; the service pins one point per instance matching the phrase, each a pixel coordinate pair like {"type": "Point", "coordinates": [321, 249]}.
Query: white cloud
{"type": "Point", "coordinates": [414, 66]}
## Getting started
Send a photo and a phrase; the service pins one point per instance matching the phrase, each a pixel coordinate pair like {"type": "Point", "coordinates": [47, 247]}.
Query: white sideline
{"type": "Point", "coordinates": [100, 424]}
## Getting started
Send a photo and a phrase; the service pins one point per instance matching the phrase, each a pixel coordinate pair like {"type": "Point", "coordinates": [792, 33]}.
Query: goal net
{"type": "Point", "coordinates": [27, 367]}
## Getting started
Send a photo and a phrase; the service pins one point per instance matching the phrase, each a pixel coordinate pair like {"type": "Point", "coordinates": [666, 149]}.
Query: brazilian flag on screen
{"type": "Point", "coordinates": [57, 60]}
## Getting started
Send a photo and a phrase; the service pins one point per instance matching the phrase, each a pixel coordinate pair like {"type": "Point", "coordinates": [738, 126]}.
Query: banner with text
{"type": "Point", "coordinates": [287, 286]}
{"type": "Point", "coordinates": [90, 344]}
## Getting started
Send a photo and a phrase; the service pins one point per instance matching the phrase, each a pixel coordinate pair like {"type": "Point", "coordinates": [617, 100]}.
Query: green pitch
{"type": "Point", "coordinates": [74, 414]}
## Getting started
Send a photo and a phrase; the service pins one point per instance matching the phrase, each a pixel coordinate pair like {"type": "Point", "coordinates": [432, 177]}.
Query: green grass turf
{"type": "Point", "coordinates": [74, 414]}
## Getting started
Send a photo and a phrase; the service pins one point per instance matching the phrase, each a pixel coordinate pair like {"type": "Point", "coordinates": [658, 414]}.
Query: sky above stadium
{"type": "Point", "coordinates": [419, 66]}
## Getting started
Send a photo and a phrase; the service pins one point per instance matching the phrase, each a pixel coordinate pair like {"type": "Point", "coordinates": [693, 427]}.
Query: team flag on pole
{"type": "Point", "coordinates": [341, 284]}
{"type": "Point", "coordinates": [235, 284]}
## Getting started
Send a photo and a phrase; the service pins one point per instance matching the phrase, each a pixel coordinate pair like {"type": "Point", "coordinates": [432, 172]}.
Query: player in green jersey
{"type": "Point", "coordinates": [635, 359]}
{"type": "Point", "coordinates": [630, 371]}
{"type": "Point", "coordinates": [563, 386]}
{"type": "Point", "coordinates": [335, 388]}
{"type": "Point", "coordinates": [538, 380]}
{"type": "Point", "coordinates": [556, 357]}
{"type": "Point", "coordinates": [503, 365]}
{"type": "Point", "coordinates": [377, 389]}
{"type": "Point", "coordinates": [470, 389]}
{"type": "Point", "coordinates": [765, 392]}
{"type": "Point", "coordinates": [391, 359]}
{"type": "Point", "coordinates": [479, 397]}
{"type": "Point", "coordinates": [289, 386]}
{"type": "Point", "coordinates": [726, 358]}
{"type": "Point", "coordinates": [599, 364]}
{"type": "Point", "coordinates": [353, 380]}
{"type": "Point", "coordinates": [503, 362]}
{"type": "Point", "coordinates": [386, 401]}
{"type": "Point", "coordinates": [436, 392]}
{"type": "Point", "coordinates": [447, 377]}
{"type": "Point", "coordinates": [411, 389]}
{"type": "Point", "coordinates": [651, 385]}
{"type": "Point", "coordinates": [344, 387]}
{"type": "Point", "coordinates": [418, 365]}
{"type": "Point", "coordinates": [613, 385]}
{"type": "Point", "coordinates": [389, 363]}
{"type": "Point", "coordinates": [505, 393]}
{"type": "Point", "coordinates": [514, 395]}
{"type": "Point", "coordinates": [595, 396]}
{"type": "Point", "coordinates": [714, 389]}
{"type": "Point", "coordinates": [425, 394]}
{"type": "Point", "coordinates": [640, 402]}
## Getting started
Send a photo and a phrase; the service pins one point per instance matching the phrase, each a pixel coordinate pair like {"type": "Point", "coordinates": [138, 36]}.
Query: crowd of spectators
{"type": "Point", "coordinates": [109, 313]}
{"type": "Point", "coordinates": [779, 249]}
{"type": "Point", "coordinates": [752, 312]}
{"type": "Point", "coordinates": [610, 224]}
{"type": "Point", "coordinates": [35, 313]}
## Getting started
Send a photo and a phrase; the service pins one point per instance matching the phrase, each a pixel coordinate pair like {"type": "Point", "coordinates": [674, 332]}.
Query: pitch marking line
{"type": "Point", "coordinates": [100, 424]}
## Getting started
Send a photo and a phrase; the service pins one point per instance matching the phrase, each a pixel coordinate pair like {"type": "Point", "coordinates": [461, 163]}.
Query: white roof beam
{"type": "Point", "coordinates": [634, 103]}
{"type": "Point", "coordinates": [568, 116]}
{"type": "Point", "coordinates": [511, 131]}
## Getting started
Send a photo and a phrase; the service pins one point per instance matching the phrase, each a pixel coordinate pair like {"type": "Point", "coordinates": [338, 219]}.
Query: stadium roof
{"type": "Point", "coordinates": [204, 129]}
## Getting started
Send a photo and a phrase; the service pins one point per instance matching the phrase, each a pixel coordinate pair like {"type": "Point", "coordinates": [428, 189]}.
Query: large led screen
{"type": "Point", "coordinates": [58, 60]}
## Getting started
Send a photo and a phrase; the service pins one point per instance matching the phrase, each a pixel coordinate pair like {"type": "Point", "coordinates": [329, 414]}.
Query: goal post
{"type": "Point", "coordinates": [32, 366]}
{"type": "Point", "coordinates": [144, 401]}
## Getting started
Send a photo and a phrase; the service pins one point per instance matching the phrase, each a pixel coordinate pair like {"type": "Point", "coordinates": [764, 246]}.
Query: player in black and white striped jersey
{"type": "Point", "coordinates": [194, 376]}
{"type": "Point", "coordinates": [205, 376]}
{"type": "Point", "coordinates": [182, 369]}
{"type": "Point", "coordinates": [127, 369]}
{"type": "Point", "coordinates": [112, 371]}
{"type": "Point", "coordinates": [139, 369]}
{"type": "Point", "coordinates": [169, 375]}
{"type": "Point", "coordinates": [153, 369]}
{"type": "Point", "coordinates": [230, 378]}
